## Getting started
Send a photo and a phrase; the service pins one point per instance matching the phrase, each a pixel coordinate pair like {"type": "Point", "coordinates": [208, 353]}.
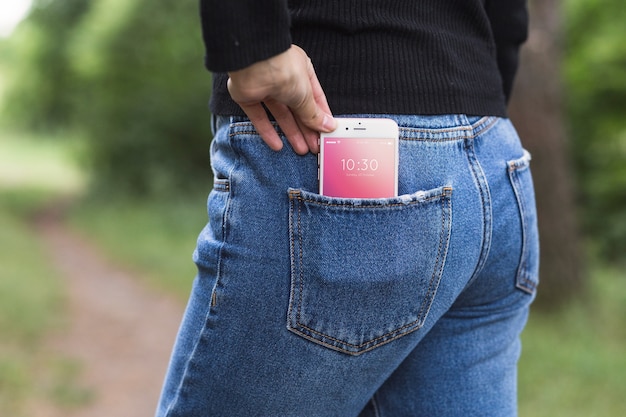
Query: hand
{"type": "Point", "coordinates": [289, 88]}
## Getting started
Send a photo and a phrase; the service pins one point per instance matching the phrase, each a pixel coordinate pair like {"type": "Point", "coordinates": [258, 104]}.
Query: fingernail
{"type": "Point", "coordinates": [329, 123]}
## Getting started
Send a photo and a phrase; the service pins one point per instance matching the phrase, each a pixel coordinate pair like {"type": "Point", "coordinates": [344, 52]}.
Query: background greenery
{"type": "Point", "coordinates": [34, 173]}
{"type": "Point", "coordinates": [126, 75]}
{"type": "Point", "coordinates": [117, 89]}
{"type": "Point", "coordinates": [595, 79]}
{"type": "Point", "coordinates": [28, 306]}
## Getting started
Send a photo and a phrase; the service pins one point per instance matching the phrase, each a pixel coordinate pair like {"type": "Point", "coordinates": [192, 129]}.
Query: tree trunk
{"type": "Point", "coordinates": [536, 109]}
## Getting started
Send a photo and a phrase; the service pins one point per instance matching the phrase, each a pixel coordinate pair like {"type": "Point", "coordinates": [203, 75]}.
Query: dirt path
{"type": "Point", "coordinates": [120, 331]}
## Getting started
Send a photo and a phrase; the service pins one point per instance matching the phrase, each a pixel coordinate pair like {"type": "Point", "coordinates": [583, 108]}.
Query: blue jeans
{"type": "Point", "coordinates": [306, 305]}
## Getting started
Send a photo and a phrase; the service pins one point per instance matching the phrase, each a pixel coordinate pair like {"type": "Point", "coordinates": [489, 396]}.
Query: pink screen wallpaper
{"type": "Point", "coordinates": [359, 168]}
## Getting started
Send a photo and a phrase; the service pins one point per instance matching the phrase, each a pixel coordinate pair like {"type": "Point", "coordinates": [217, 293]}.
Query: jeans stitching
{"type": "Point", "coordinates": [446, 214]}
{"type": "Point", "coordinates": [226, 186]}
{"type": "Point", "coordinates": [301, 258]}
{"type": "Point", "coordinates": [473, 130]}
{"type": "Point", "coordinates": [515, 167]}
{"type": "Point", "coordinates": [292, 263]}
{"type": "Point", "coordinates": [444, 193]}
{"type": "Point", "coordinates": [483, 125]}
{"type": "Point", "coordinates": [485, 200]}
{"type": "Point", "coordinates": [476, 129]}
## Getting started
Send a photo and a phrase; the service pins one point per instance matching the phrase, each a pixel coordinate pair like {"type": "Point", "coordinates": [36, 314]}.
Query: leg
{"type": "Point", "coordinates": [465, 366]}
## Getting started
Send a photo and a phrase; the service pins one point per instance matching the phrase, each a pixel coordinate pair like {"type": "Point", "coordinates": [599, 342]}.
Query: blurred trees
{"type": "Point", "coordinates": [144, 94]}
{"type": "Point", "coordinates": [39, 96]}
{"type": "Point", "coordinates": [128, 75]}
{"type": "Point", "coordinates": [595, 72]}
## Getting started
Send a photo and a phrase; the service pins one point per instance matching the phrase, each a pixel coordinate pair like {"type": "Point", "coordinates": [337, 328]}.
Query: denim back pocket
{"type": "Point", "coordinates": [365, 272]}
{"type": "Point", "coordinates": [521, 179]}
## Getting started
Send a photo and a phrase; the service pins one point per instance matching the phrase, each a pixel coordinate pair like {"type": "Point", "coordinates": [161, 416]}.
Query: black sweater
{"type": "Point", "coordinates": [376, 56]}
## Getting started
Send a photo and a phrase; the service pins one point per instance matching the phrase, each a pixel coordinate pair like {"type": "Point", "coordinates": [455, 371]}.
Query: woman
{"type": "Point", "coordinates": [306, 305]}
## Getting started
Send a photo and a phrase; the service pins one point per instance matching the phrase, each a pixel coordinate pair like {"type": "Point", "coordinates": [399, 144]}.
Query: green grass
{"type": "Point", "coordinates": [28, 286]}
{"type": "Point", "coordinates": [33, 173]}
{"type": "Point", "coordinates": [574, 363]}
{"type": "Point", "coordinates": [31, 162]}
{"type": "Point", "coordinates": [30, 305]}
{"type": "Point", "coordinates": [154, 238]}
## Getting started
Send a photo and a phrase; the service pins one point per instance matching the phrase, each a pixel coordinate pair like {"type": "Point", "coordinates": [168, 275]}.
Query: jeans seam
{"type": "Point", "coordinates": [375, 406]}
{"type": "Point", "coordinates": [484, 125]}
{"type": "Point", "coordinates": [485, 200]}
{"type": "Point", "coordinates": [522, 282]}
{"type": "Point", "coordinates": [223, 185]}
{"type": "Point", "coordinates": [441, 254]}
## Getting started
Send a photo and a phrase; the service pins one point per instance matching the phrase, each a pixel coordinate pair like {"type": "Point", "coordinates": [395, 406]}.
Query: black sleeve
{"type": "Point", "coordinates": [238, 33]}
{"type": "Point", "coordinates": [509, 23]}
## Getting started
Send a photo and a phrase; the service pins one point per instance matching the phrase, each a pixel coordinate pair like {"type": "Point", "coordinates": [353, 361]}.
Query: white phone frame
{"type": "Point", "coordinates": [361, 128]}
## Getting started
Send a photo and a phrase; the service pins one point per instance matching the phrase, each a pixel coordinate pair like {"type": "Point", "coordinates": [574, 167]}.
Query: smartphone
{"type": "Point", "coordinates": [359, 159]}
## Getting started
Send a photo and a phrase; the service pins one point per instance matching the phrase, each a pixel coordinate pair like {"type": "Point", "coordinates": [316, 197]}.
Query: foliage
{"type": "Point", "coordinates": [30, 297]}
{"type": "Point", "coordinates": [595, 75]}
{"type": "Point", "coordinates": [127, 75]}
{"type": "Point", "coordinates": [143, 95]}
{"type": "Point", "coordinates": [30, 161]}
{"type": "Point", "coordinates": [154, 236]}
{"type": "Point", "coordinates": [36, 176]}
{"type": "Point", "coordinates": [26, 298]}
{"type": "Point", "coordinates": [39, 95]}
{"type": "Point", "coordinates": [573, 361]}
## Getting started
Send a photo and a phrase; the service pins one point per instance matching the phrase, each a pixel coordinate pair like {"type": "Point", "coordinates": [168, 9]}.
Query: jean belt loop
{"type": "Point", "coordinates": [213, 124]}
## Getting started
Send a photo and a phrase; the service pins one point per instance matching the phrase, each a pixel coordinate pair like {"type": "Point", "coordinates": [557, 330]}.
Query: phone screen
{"type": "Point", "coordinates": [359, 167]}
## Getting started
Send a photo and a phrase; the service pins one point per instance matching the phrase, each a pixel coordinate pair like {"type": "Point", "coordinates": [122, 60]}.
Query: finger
{"type": "Point", "coordinates": [311, 137]}
{"type": "Point", "coordinates": [288, 124]}
{"type": "Point", "coordinates": [257, 115]}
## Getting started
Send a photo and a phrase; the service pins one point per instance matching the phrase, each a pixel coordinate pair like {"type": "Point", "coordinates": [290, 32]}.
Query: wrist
{"type": "Point", "coordinates": [273, 70]}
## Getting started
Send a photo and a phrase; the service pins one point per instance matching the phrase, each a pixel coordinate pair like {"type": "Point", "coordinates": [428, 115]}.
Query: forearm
{"type": "Point", "coordinates": [238, 33]}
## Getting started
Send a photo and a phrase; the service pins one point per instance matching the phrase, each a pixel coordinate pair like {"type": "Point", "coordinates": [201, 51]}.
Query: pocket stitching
{"type": "Point", "coordinates": [515, 168]}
